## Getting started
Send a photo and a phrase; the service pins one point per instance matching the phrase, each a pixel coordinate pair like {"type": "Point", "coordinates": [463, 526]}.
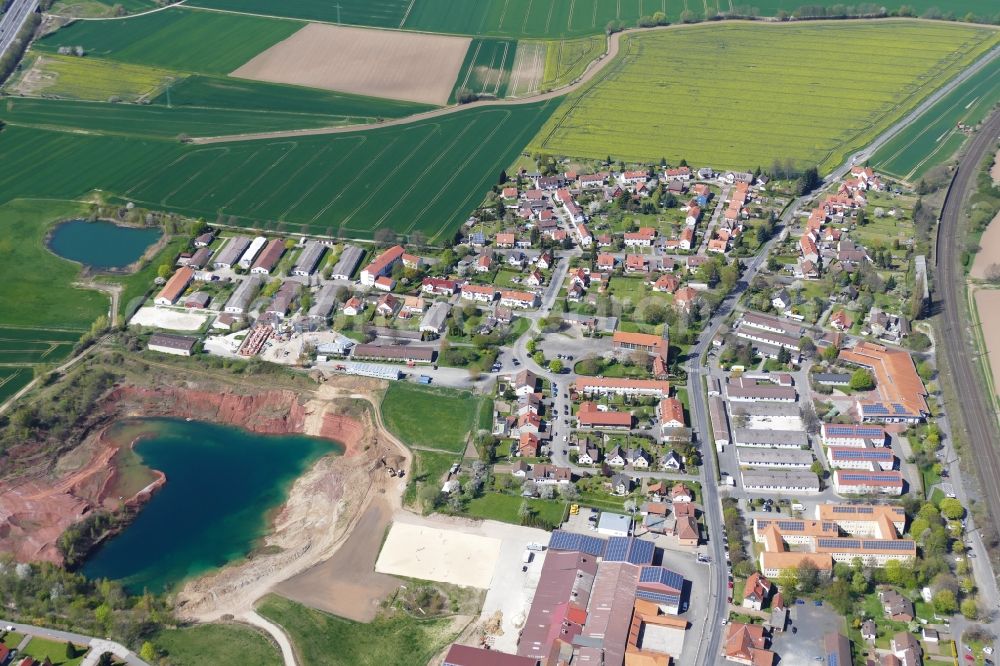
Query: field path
{"type": "Point", "coordinates": [127, 16]}
{"type": "Point", "coordinates": [595, 68]}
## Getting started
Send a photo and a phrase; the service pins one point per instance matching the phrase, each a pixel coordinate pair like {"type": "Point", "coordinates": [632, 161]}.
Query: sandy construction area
{"type": "Point", "coordinates": [989, 252]}
{"type": "Point", "coordinates": [446, 556]}
{"type": "Point", "coordinates": [173, 320]}
{"type": "Point", "coordinates": [988, 304]}
{"type": "Point", "coordinates": [381, 63]}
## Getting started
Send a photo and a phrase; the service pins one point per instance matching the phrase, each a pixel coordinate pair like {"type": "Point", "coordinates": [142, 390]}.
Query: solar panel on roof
{"type": "Point", "coordinates": [659, 597]}
{"type": "Point", "coordinates": [791, 525]}
{"type": "Point", "coordinates": [853, 544]}
{"type": "Point", "coordinates": [641, 552]}
{"type": "Point", "coordinates": [592, 545]}
{"type": "Point", "coordinates": [617, 549]}
{"type": "Point", "coordinates": [888, 545]}
{"type": "Point", "coordinates": [561, 540]}
{"type": "Point", "coordinates": [661, 576]}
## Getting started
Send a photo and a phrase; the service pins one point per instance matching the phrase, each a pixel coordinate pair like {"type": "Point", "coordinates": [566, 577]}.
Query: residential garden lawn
{"type": "Point", "coordinates": [12, 639]}
{"type": "Point", "coordinates": [486, 70]}
{"type": "Point", "coordinates": [319, 638]}
{"type": "Point", "coordinates": [430, 417]}
{"type": "Point", "coordinates": [933, 137]}
{"type": "Point", "coordinates": [180, 38]}
{"type": "Point", "coordinates": [505, 508]}
{"type": "Point", "coordinates": [425, 176]}
{"type": "Point", "coordinates": [40, 648]}
{"type": "Point", "coordinates": [217, 644]}
{"type": "Point", "coordinates": [733, 116]}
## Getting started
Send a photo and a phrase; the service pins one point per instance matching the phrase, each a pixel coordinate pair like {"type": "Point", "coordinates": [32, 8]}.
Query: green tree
{"type": "Point", "coordinates": [148, 652]}
{"type": "Point", "coordinates": [556, 366]}
{"type": "Point", "coordinates": [951, 508]}
{"type": "Point", "coordinates": [807, 577]}
{"type": "Point", "coordinates": [970, 609]}
{"type": "Point", "coordinates": [859, 584]}
{"type": "Point", "coordinates": [945, 602]}
{"type": "Point", "coordinates": [70, 650]}
{"type": "Point", "coordinates": [539, 357]}
{"type": "Point", "coordinates": [164, 271]}
{"type": "Point", "coordinates": [105, 660]}
{"type": "Point", "coordinates": [862, 380]}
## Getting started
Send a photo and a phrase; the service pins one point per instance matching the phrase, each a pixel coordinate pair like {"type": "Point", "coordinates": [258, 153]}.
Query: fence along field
{"type": "Point", "coordinates": [717, 102]}
{"type": "Point", "coordinates": [424, 177]}
{"type": "Point", "coordinates": [934, 137]}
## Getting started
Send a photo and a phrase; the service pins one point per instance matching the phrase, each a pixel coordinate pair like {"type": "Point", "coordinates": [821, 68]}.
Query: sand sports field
{"type": "Point", "coordinates": [445, 556]}
{"type": "Point", "coordinates": [989, 251]}
{"type": "Point", "coordinates": [988, 305]}
{"type": "Point", "coordinates": [173, 320]}
{"type": "Point", "coordinates": [379, 63]}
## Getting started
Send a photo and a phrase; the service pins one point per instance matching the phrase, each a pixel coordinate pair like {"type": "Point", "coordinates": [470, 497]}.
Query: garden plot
{"type": "Point", "coordinates": [173, 320]}
{"type": "Point", "coordinates": [442, 555]}
{"type": "Point", "coordinates": [380, 63]}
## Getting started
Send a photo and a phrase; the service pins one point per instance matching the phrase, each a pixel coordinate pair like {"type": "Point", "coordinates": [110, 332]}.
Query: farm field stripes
{"type": "Point", "coordinates": [231, 93]}
{"type": "Point", "coordinates": [529, 69]}
{"type": "Point", "coordinates": [486, 71]}
{"type": "Point", "coordinates": [422, 177]}
{"type": "Point", "coordinates": [565, 60]}
{"type": "Point", "coordinates": [180, 39]}
{"type": "Point", "coordinates": [153, 120]}
{"type": "Point", "coordinates": [935, 136]}
{"type": "Point", "coordinates": [375, 13]}
{"type": "Point", "coordinates": [710, 106]}
{"type": "Point", "coordinates": [12, 380]}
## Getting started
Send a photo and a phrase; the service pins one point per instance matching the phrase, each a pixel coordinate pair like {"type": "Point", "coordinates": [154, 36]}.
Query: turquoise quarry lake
{"type": "Point", "coordinates": [222, 486]}
{"type": "Point", "coordinates": [101, 244]}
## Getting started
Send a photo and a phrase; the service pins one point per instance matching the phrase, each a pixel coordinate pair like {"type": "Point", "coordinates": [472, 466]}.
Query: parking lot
{"type": "Point", "coordinates": [811, 623]}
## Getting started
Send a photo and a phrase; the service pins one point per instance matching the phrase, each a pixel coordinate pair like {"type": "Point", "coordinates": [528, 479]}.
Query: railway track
{"type": "Point", "coordinates": [978, 417]}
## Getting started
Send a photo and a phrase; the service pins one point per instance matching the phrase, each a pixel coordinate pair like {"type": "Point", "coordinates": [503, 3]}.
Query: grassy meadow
{"type": "Point", "coordinates": [430, 417]}
{"type": "Point", "coordinates": [423, 177]}
{"type": "Point", "coordinates": [91, 79]}
{"type": "Point", "coordinates": [320, 638]}
{"type": "Point", "coordinates": [738, 95]}
{"type": "Point", "coordinates": [217, 644]}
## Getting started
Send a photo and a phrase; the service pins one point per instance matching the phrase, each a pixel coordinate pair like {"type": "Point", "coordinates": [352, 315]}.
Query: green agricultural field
{"type": "Point", "coordinates": [429, 418]}
{"type": "Point", "coordinates": [934, 137]}
{"type": "Point", "coordinates": [90, 79]}
{"type": "Point", "coordinates": [567, 59]}
{"type": "Point", "coordinates": [320, 638]}
{"type": "Point", "coordinates": [217, 644]}
{"type": "Point", "coordinates": [544, 19]}
{"type": "Point", "coordinates": [218, 92]}
{"type": "Point", "coordinates": [12, 380]}
{"type": "Point", "coordinates": [549, 18]}
{"type": "Point", "coordinates": [180, 39]}
{"type": "Point", "coordinates": [486, 70]}
{"type": "Point", "coordinates": [375, 13]}
{"type": "Point", "coordinates": [739, 95]}
{"type": "Point", "coordinates": [155, 120]}
{"type": "Point", "coordinates": [424, 177]}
